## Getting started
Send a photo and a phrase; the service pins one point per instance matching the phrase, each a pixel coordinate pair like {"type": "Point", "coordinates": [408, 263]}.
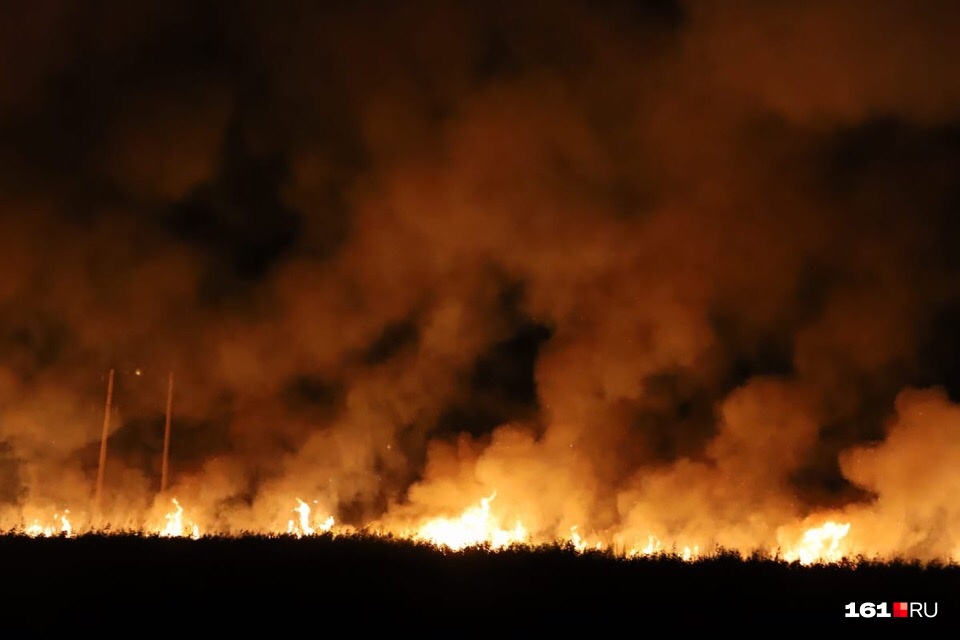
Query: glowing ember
{"type": "Point", "coordinates": [476, 526]}
{"type": "Point", "coordinates": [176, 528]}
{"type": "Point", "coordinates": [820, 544]}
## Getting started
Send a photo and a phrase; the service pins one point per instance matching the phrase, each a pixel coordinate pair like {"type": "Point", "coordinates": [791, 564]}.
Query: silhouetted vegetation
{"type": "Point", "coordinates": [237, 582]}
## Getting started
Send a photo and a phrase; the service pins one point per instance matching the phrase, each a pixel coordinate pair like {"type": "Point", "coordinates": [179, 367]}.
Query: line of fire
{"type": "Point", "coordinates": [478, 525]}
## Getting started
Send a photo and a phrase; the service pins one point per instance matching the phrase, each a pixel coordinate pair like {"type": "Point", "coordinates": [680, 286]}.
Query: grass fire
{"type": "Point", "coordinates": [619, 292]}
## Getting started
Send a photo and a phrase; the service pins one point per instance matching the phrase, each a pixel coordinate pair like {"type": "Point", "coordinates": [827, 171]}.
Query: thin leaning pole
{"type": "Point", "coordinates": [103, 445]}
{"type": "Point", "coordinates": [165, 464]}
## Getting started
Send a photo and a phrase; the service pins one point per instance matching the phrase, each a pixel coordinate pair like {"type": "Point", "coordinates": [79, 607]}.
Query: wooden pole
{"type": "Point", "coordinates": [103, 444]}
{"type": "Point", "coordinates": [165, 465]}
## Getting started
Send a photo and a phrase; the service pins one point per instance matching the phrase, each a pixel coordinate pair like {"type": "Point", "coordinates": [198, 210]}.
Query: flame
{"type": "Point", "coordinates": [475, 526]}
{"type": "Point", "coordinates": [820, 544]}
{"type": "Point", "coordinates": [35, 529]}
{"type": "Point", "coordinates": [302, 527]}
{"type": "Point", "coordinates": [579, 543]}
{"type": "Point", "coordinates": [478, 525]}
{"type": "Point", "coordinates": [175, 525]}
{"type": "Point", "coordinates": [653, 546]}
{"type": "Point", "coordinates": [304, 510]}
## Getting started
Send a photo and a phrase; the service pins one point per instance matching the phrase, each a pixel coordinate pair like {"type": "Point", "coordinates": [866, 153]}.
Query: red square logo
{"type": "Point", "coordinates": [900, 610]}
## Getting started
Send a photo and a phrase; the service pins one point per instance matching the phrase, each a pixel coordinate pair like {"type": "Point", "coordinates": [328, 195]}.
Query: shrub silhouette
{"type": "Point", "coordinates": [270, 579]}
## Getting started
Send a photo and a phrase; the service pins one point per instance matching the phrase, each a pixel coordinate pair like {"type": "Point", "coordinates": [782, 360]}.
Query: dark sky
{"type": "Point", "coordinates": [686, 264]}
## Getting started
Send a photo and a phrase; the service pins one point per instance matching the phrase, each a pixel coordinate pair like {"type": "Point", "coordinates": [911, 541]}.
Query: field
{"type": "Point", "coordinates": [129, 585]}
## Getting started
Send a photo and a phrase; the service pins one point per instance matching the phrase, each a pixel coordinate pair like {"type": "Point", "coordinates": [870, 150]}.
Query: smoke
{"type": "Point", "coordinates": [643, 269]}
{"type": "Point", "coordinates": [913, 475]}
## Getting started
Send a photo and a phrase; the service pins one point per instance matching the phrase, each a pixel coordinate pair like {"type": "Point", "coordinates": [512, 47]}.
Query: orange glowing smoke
{"type": "Point", "coordinates": [527, 510]}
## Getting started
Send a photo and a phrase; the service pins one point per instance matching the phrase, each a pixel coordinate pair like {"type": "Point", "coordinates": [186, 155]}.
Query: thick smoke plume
{"type": "Point", "coordinates": [639, 269]}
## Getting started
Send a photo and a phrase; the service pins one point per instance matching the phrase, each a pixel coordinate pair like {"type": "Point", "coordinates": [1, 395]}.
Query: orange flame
{"type": "Point", "coordinates": [820, 544]}
{"type": "Point", "coordinates": [64, 528]}
{"type": "Point", "coordinates": [176, 527]}
{"type": "Point", "coordinates": [475, 526]}
{"type": "Point", "coordinates": [478, 525]}
{"type": "Point", "coordinates": [302, 527]}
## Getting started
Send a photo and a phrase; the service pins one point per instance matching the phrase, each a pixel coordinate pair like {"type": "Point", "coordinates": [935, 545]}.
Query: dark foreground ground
{"type": "Point", "coordinates": [273, 588]}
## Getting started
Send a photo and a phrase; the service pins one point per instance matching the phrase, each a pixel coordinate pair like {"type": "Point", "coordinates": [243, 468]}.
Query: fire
{"type": "Point", "coordinates": [64, 528]}
{"type": "Point", "coordinates": [820, 544]}
{"type": "Point", "coordinates": [176, 528]}
{"type": "Point", "coordinates": [302, 527]}
{"type": "Point", "coordinates": [475, 526]}
{"type": "Point", "coordinates": [478, 525]}
{"type": "Point", "coordinates": [653, 546]}
{"type": "Point", "coordinates": [579, 543]}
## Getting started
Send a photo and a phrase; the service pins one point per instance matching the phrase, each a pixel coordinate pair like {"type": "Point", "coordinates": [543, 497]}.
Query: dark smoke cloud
{"type": "Point", "coordinates": [639, 267]}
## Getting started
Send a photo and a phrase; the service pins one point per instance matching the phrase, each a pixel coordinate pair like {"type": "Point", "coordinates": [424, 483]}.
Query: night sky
{"type": "Point", "coordinates": [685, 267]}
